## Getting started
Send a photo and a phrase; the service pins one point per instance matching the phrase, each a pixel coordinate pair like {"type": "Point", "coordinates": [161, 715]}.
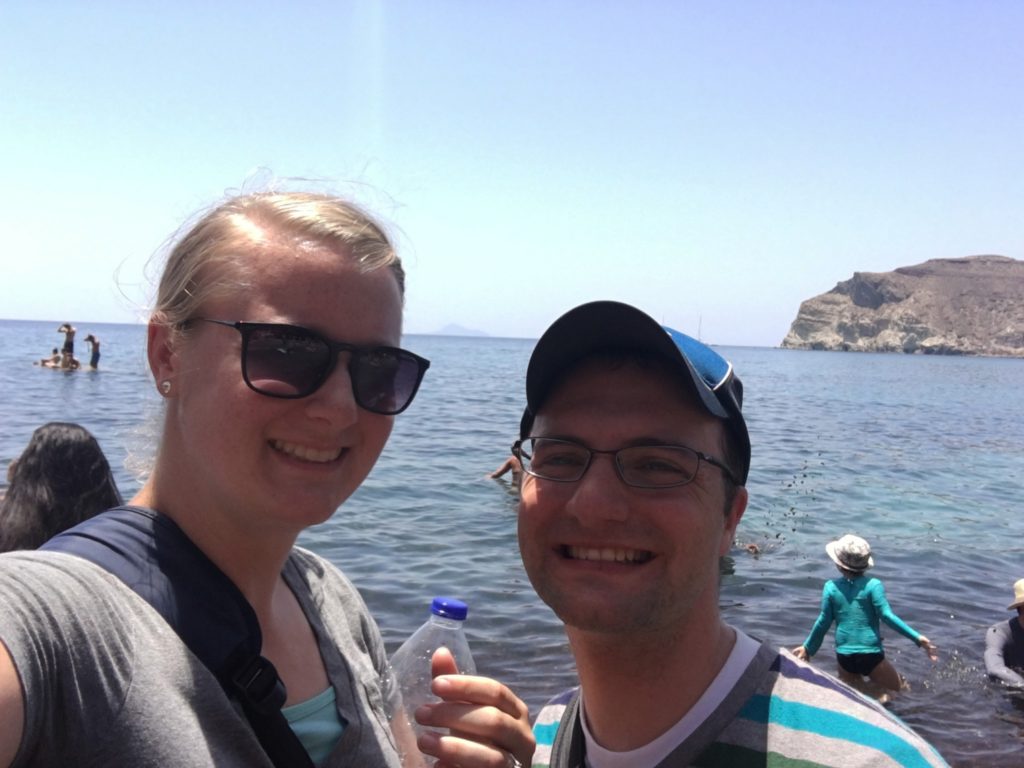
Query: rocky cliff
{"type": "Point", "coordinates": [968, 306]}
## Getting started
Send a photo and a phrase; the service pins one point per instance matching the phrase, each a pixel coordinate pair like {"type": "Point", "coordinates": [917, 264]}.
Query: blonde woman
{"type": "Point", "coordinates": [274, 344]}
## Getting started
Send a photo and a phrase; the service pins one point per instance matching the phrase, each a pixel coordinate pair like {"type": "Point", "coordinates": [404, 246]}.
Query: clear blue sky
{"type": "Point", "coordinates": [713, 163]}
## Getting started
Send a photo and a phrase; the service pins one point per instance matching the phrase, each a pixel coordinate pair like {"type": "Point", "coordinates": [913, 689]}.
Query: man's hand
{"type": "Point", "coordinates": [489, 725]}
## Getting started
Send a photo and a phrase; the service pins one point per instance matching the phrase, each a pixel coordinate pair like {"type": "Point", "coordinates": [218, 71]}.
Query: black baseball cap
{"type": "Point", "coordinates": [612, 325]}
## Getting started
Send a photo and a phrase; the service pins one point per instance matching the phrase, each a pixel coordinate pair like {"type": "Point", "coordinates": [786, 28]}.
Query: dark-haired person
{"type": "Point", "coordinates": [511, 464]}
{"type": "Point", "coordinates": [635, 456]}
{"type": "Point", "coordinates": [274, 344]}
{"type": "Point", "coordinates": [53, 361]}
{"type": "Point", "coordinates": [69, 331]}
{"type": "Point", "coordinates": [60, 479]}
{"type": "Point", "coordinates": [1004, 644]}
{"type": "Point", "coordinates": [94, 351]}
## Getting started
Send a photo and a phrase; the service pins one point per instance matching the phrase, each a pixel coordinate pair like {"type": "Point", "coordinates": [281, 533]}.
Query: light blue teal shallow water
{"type": "Point", "coordinates": [923, 456]}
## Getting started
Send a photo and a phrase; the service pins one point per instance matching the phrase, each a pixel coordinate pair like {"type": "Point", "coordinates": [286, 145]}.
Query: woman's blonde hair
{"type": "Point", "coordinates": [211, 258]}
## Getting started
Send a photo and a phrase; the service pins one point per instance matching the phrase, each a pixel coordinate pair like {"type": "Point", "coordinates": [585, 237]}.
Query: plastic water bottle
{"type": "Point", "coordinates": [411, 662]}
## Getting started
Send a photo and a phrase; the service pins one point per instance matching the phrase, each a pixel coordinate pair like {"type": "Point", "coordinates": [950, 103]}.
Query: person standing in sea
{"type": "Point", "coordinates": [635, 456]}
{"type": "Point", "coordinates": [94, 351]}
{"type": "Point", "coordinates": [857, 604]}
{"type": "Point", "coordinates": [274, 346]}
{"type": "Point", "coordinates": [69, 339]}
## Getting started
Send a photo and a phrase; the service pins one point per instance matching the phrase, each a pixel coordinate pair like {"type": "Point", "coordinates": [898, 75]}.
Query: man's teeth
{"type": "Point", "coordinates": [609, 554]}
{"type": "Point", "coordinates": [306, 453]}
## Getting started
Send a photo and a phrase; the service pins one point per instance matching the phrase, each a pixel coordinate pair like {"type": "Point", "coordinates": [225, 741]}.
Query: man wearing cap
{"type": "Point", "coordinates": [635, 455]}
{"type": "Point", "coordinates": [1004, 644]}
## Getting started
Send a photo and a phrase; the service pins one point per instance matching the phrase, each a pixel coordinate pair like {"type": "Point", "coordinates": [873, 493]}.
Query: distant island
{"type": "Point", "coordinates": [453, 329]}
{"type": "Point", "coordinates": [966, 306]}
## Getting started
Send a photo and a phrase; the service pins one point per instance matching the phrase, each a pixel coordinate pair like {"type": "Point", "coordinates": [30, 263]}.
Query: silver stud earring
{"type": "Point", "coordinates": [165, 386]}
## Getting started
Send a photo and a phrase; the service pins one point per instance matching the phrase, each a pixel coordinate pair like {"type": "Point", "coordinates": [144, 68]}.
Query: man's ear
{"type": "Point", "coordinates": [161, 350]}
{"type": "Point", "coordinates": [732, 520]}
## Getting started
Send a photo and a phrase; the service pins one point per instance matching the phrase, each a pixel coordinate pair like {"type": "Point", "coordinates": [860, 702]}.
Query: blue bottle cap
{"type": "Point", "coordinates": [449, 608]}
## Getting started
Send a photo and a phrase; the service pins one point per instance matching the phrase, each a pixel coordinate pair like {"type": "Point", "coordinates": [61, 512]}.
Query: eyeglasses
{"type": "Point", "coordinates": [641, 466]}
{"type": "Point", "coordinates": [290, 361]}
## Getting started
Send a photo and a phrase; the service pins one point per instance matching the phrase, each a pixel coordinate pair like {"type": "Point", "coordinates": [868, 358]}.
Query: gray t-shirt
{"type": "Point", "coordinates": [108, 683]}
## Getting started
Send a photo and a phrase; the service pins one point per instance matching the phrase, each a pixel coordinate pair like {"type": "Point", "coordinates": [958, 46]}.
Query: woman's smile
{"type": "Point", "coordinates": [307, 453]}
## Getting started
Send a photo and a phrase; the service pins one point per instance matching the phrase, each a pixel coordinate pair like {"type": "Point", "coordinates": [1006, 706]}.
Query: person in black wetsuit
{"type": "Point", "coordinates": [1004, 644]}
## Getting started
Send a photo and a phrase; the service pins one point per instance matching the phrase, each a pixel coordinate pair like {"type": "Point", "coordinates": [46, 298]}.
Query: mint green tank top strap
{"type": "Point", "coordinates": [317, 724]}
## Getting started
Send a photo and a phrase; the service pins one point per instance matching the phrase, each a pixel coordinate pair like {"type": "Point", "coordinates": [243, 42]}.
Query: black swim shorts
{"type": "Point", "coordinates": [859, 663]}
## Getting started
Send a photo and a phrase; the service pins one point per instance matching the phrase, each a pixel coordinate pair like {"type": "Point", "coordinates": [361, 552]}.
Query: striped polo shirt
{"type": "Point", "coordinates": [782, 712]}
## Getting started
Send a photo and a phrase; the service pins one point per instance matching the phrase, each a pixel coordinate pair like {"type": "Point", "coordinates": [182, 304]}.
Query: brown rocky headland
{"type": "Point", "coordinates": [968, 306]}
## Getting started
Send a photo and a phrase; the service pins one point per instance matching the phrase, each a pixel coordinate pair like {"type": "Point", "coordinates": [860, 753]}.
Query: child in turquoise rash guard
{"type": "Point", "coordinates": [856, 603]}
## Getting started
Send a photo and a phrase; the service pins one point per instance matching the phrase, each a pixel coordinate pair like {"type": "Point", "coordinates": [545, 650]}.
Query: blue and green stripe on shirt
{"type": "Point", "coordinates": [796, 717]}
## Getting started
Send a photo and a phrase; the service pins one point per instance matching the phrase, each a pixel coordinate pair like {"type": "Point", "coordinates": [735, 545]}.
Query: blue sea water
{"type": "Point", "coordinates": [922, 456]}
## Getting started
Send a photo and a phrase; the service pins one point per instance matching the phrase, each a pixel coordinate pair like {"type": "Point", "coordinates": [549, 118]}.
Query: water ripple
{"type": "Point", "coordinates": [921, 455]}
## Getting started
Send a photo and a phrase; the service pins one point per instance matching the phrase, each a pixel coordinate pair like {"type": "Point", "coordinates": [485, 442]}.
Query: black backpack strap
{"type": "Point", "coordinates": [568, 749]}
{"type": "Point", "coordinates": [154, 557]}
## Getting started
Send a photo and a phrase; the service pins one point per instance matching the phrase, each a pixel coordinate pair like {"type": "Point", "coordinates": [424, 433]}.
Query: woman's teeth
{"type": "Point", "coordinates": [306, 453]}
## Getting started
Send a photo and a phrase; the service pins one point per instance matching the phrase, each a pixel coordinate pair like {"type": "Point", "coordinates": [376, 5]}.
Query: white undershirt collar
{"type": "Point", "coordinates": [652, 753]}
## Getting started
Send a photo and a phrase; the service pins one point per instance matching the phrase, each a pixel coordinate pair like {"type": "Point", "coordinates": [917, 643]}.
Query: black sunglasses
{"type": "Point", "coordinates": [289, 361]}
